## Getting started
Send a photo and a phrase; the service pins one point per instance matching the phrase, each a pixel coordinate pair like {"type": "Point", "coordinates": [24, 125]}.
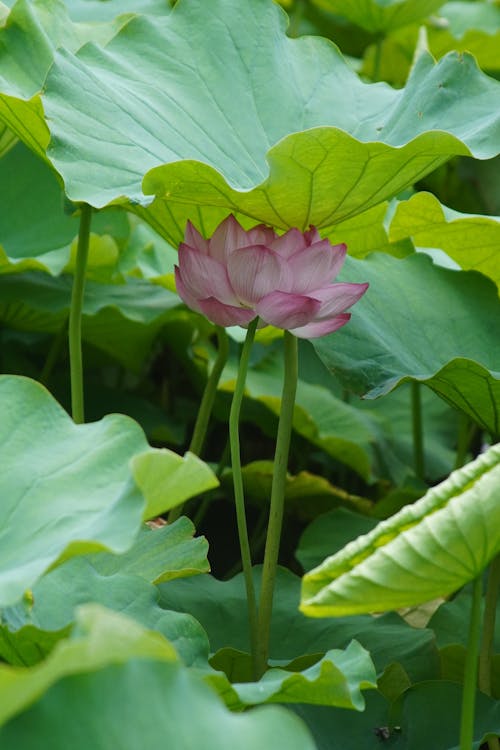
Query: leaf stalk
{"type": "Point", "coordinates": [277, 500]}
{"type": "Point", "coordinates": [75, 315]}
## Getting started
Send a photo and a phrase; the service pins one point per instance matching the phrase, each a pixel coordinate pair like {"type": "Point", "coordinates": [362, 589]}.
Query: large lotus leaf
{"type": "Point", "coordinates": [65, 488]}
{"type": "Point", "coordinates": [220, 606]}
{"type": "Point", "coordinates": [329, 533]}
{"type": "Point", "coordinates": [440, 703]}
{"type": "Point", "coordinates": [122, 319]}
{"type": "Point", "coordinates": [454, 343]}
{"type": "Point", "coordinates": [60, 592]}
{"type": "Point", "coordinates": [335, 728]}
{"type": "Point", "coordinates": [228, 132]}
{"type": "Point", "coordinates": [158, 554]}
{"type": "Point", "coordinates": [472, 241]}
{"type": "Point", "coordinates": [91, 11]}
{"type": "Point", "coordinates": [425, 551]}
{"type": "Point", "coordinates": [166, 479]}
{"type": "Point", "coordinates": [32, 32]}
{"type": "Point", "coordinates": [97, 672]}
{"type": "Point", "coordinates": [47, 241]}
{"type": "Point", "coordinates": [381, 15]}
{"type": "Point", "coordinates": [336, 680]}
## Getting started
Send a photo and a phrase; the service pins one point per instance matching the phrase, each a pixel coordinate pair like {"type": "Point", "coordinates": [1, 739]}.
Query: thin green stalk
{"type": "Point", "coordinates": [241, 520]}
{"type": "Point", "coordinates": [207, 402]}
{"type": "Point", "coordinates": [277, 500]}
{"type": "Point", "coordinates": [418, 435]}
{"type": "Point", "coordinates": [486, 652]}
{"type": "Point", "coordinates": [471, 664]}
{"type": "Point", "coordinates": [75, 315]}
{"type": "Point", "coordinates": [57, 344]}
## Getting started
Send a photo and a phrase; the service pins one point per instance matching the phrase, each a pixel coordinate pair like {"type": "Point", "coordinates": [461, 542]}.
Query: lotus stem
{"type": "Point", "coordinates": [471, 665]}
{"type": "Point", "coordinates": [75, 315]}
{"type": "Point", "coordinates": [239, 498]}
{"type": "Point", "coordinates": [277, 500]}
{"type": "Point", "coordinates": [207, 402]}
{"type": "Point", "coordinates": [418, 435]}
{"type": "Point", "coordinates": [486, 652]}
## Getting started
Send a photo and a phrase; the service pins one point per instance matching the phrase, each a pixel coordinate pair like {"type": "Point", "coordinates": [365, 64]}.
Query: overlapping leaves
{"type": "Point", "coordinates": [120, 111]}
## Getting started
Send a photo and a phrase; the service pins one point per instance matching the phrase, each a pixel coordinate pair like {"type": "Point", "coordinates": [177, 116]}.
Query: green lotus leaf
{"type": "Point", "coordinates": [100, 637]}
{"type": "Point", "coordinates": [76, 582]}
{"type": "Point", "coordinates": [220, 607]}
{"type": "Point", "coordinates": [440, 702]}
{"type": "Point", "coordinates": [65, 488]}
{"type": "Point", "coordinates": [92, 11]}
{"type": "Point", "coordinates": [381, 15]}
{"type": "Point", "coordinates": [48, 240]}
{"type": "Point", "coordinates": [251, 139]}
{"type": "Point", "coordinates": [97, 672]}
{"type": "Point", "coordinates": [159, 554]}
{"type": "Point", "coordinates": [410, 300]}
{"type": "Point", "coordinates": [329, 533]}
{"type": "Point", "coordinates": [335, 729]}
{"type": "Point", "coordinates": [39, 27]}
{"type": "Point", "coordinates": [336, 680]}
{"type": "Point", "coordinates": [425, 551]}
{"type": "Point", "coordinates": [472, 241]}
{"type": "Point", "coordinates": [166, 479]}
{"type": "Point", "coordinates": [121, 319]}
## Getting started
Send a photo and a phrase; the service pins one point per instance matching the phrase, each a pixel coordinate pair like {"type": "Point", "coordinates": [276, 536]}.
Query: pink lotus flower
{"type": "Point", "coordinates": [236, 275]}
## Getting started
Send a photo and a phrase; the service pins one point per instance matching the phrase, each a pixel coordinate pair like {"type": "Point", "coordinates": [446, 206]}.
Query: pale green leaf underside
{"type": "Point", "coordinates": [336, 680]}
{"type": "Point", "coordinates": [266, 140]}
{"type": "Point", "coordinates": [159, 554]}
{"type": "Point", "coordinates": [454, 343]}
{"type": "Point", "coordinates": [166, 479]}
{"type": "Point", "coordinates": [472, 241]}
{"type": "Point", "coordinates": [381, 15]}
{"type": "Point", "coordinates": [64, 488]}
{"type": "Point", "coordinates": [427, 550]}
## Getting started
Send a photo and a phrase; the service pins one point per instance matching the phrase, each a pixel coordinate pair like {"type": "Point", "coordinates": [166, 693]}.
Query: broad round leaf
{"type": "Point", "coordinates": [266, 140]}
{"type": "Point", "coordinates": [64, 488]}
{"type": "Point", "coordinates": [454, 343]}
{"type": "Point", "coordinates": [48, 240]}
{"type": "Point", "coordinates": [98, 672]}
{"type": "Point", "coordinates": [425, 551]}
{"type": "Point", "coordinates": [220, 606]}
{"type": "Point", "coordinates": [59, 593]}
